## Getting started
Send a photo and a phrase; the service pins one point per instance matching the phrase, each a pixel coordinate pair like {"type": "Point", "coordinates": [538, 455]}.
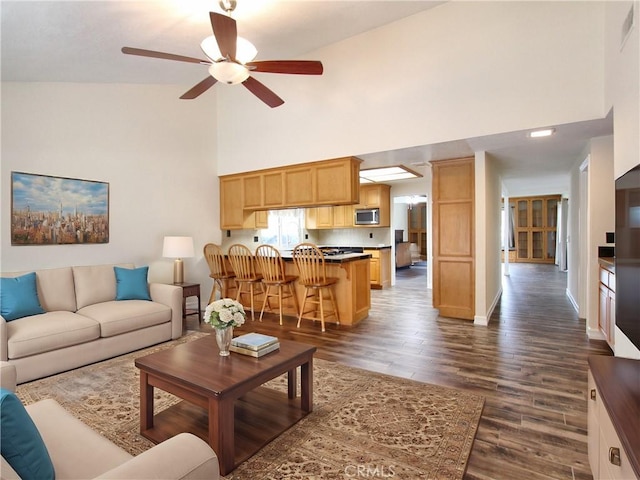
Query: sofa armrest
{"type": "Point", "coordinates": [183, 457]}
{"type": "Point", "coordinates": [8, 376]}
{"type": "Point", "coordinates": [4, 347]}
{"type": "Point", "coordinates": [171, 296]}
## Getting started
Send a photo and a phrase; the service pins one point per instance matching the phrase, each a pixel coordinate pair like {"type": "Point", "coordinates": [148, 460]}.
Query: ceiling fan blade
{"type": "Point", "coordinates": [301, 67]}
{"type": "Point", "coordinates": [226, 33]}
{"type": "Point", "coordinates": [262, 92]}
{"type": "Point", "coordinates": [199, 89]}
{"type": "Point", "coordinates": [165, 56]}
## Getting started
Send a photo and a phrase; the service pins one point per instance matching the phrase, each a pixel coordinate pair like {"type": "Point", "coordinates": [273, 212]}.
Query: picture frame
{"type": "Point", "coordinates": [50, 210]}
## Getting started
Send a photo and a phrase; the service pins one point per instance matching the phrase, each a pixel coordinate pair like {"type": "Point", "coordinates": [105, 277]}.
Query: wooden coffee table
{"type": "Point", "coordinates": [225, 402]}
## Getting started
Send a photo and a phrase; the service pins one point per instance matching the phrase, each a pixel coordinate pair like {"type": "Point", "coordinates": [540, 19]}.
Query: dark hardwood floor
{"type": "Point", "coordinates": [530, 363]}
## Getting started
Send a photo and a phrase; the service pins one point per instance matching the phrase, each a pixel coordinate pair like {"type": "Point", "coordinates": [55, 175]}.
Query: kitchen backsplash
{"type": "Point", "coordinates": [355, 237]}
{"type": "Point", "coordinates": [346, 237]}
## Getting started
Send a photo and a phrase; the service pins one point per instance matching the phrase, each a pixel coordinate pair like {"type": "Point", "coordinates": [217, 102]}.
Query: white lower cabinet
{"type": "Point", "coordinates": [607, 457]}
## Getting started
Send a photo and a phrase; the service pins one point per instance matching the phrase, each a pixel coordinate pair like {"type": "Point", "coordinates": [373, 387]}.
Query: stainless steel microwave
{"type": "Point", "coordinates": [366, 216]}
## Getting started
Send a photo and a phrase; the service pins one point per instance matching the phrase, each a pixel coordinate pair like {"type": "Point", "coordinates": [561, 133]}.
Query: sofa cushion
{"type": "Point", "coordinates": [19, 297]}
{"type": "Point", "coordinates": [21, 444]}
{"type": "Point", "coordinates": [126, 315]}
{"type": "Point", "coordinates": [132, 284]}
{"type": "Point", "coordinates": [95, 284]}
{"type": "Point", "coordinates": [55, 288]}
{"type": "Point", "coordinates": [76, 450]}
{"type": "Point", "coordinates": [49, 331]}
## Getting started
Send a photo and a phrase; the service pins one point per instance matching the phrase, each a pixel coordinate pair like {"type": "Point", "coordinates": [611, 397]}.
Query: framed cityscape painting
{"type": "Point", "coordinates": [48, 210]}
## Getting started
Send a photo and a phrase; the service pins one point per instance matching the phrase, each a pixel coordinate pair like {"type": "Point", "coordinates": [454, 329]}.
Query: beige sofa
{"type": "Point", "coordinates": [84, 323]}
{"type": "Point", "coordinates": [77, 452]}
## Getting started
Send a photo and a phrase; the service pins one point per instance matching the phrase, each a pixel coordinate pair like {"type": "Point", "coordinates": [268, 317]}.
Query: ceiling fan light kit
{"type": "Point", "coordinates": [245, 50]}
{"type": "Point", "coordinates": [229, 72]}
{"type": "Point", "coordinates": [230, 60]}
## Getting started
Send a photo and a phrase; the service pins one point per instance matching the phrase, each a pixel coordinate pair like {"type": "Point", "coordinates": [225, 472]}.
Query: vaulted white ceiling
{"type": "Point", "coordinates": [80, 41]}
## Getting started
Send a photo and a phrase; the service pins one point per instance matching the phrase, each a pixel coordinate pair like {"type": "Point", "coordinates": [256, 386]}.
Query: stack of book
{"type": "Point", "coordinates": [254, 344]}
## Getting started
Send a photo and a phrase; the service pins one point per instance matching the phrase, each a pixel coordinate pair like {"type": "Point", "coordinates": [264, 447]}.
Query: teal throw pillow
{"type": "Point", "coordinates": [20, 441]}
{"type": "Point", "coordinates": [19, 297]}
{"type": "Point", "coordinates": [131, 283]}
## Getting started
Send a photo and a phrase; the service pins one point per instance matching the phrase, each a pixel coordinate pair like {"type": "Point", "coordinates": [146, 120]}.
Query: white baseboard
{"type": "Point", "coordinates": [572, 300]}
{"type": "Point", "coordinates": [595, 334]}
{"type": "Point", "coordinates": [484, 319]}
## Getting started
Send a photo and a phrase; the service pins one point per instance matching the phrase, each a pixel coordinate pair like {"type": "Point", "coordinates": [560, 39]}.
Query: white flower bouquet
{"type": "Point", "coordinates": [224, 313]}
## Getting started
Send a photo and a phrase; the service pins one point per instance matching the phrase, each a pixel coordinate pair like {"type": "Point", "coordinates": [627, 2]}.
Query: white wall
{"type": "Point", "coordinates": [622, 92]}
{"type": "Point", "coordinates": [487, 242]}
{"type": "Point", "coordinates": [601, 205]}
{"type": "Point", "coordinates": [574, 282]}
{"type": "Point", "coordinates": [156, 152]}
{"type": "Point", "coordinates": [622, 84]}
{"type": "Point", "coordinates": [429, 78]}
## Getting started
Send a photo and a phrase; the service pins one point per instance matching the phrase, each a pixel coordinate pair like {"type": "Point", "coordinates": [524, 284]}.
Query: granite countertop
{"type": "Point", "coordinates": [617, 382]}
{"type": "Point", "coordinates": [342, 258]}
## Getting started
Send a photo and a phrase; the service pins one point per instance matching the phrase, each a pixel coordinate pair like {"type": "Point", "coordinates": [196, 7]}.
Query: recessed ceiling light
{"type": "Point", "coordinates": [387, 174]}
{"type": "Point", "coordinates": [542, 133]}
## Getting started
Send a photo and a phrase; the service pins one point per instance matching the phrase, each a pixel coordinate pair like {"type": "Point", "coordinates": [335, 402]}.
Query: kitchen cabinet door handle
{"type": "Point", "coordinates": [614, 456]}
{"type": "Point", "coordinates": [593, 394]}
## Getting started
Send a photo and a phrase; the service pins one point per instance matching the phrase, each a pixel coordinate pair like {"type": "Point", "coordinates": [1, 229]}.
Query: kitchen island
{"type": "Point", "coordinates": [352, 291]}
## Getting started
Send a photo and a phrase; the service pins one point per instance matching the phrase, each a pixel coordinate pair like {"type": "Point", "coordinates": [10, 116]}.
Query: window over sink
{"type": "Point", "coordinates": [285, 228]}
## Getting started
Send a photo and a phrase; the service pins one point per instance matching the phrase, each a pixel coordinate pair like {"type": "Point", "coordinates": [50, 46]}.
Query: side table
{"type": "Point", "coordinates": [190, 290]}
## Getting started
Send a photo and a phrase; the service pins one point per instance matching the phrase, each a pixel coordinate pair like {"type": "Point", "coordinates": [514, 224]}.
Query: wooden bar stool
{"type": "Point", "coordinates": [273, 277]}
{"type": "Point", "coordinates": [242, 262]}
{"type": "Point", "coordinates": [222, 277]}
{"type": "Point", "coordinates": [309, 261]}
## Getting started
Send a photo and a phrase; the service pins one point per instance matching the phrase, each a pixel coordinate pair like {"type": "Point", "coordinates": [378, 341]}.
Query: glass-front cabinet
{"type": "Point", "coordinates": [535, 228]}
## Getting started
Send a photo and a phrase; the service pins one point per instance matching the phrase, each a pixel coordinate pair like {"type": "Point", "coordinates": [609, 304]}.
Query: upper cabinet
{"type": "Point", "coordinates": [328, 182]}
{"type": "Point", "coordinates": [376, 195]}
{"type": "Point", "coordinates": [341, 216]}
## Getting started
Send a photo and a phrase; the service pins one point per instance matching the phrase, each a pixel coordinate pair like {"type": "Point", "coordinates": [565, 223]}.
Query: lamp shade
{"type": "Point", "coordinates": [177, 247]}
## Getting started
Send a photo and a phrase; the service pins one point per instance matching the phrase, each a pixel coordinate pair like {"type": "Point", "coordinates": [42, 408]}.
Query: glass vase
{"type": "Point", "coordinates": [223, 339]}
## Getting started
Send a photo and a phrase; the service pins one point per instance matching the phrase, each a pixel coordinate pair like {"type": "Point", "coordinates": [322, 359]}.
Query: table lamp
{"type": "Point", "coordinates": [178, 248]}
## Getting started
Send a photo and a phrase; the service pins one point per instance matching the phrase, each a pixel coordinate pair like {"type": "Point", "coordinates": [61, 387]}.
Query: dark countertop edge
{"type": "Point", "coordinates": [618, 381]}
{"type": "Point", "coordinates": [608, 262]}
{"type": "Point", "coordinates": [379, 247]}
{"type": "Point", "coordinates": [347, 257]}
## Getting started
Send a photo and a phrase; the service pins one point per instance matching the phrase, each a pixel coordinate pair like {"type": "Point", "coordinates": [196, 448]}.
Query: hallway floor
{"type": "Point", "coordinates": [530, 363]}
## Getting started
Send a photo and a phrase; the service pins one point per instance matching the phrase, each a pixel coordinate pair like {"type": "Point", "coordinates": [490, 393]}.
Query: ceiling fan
{"type": "Point", "coordinates": [230, 60]}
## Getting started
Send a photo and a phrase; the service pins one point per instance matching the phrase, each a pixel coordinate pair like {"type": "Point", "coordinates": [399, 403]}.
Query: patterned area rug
{"type": "Point", "coordinates": [364, 424]}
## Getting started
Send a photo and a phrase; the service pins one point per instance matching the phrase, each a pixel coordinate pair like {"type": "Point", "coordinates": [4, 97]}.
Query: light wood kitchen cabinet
{"type": "Point", "coordinates": [341, 216]}
{"type": "Point", "coordinates": [318, 218]}
{"type": "Point", "coordinates": [607, 305]}
{"type": "Point", "coordinates": [273, 190]}
{"type": "Point", "coordinates": [376, 195]}
{"type": "Point", "coordinates": [232, 214]}
{"type": "Point", "coordinates": [328, 182]}
{"type": "Point", "coordinates": [380, 266]}
{"type": "Point", "coordinates": [252, 192]}
{"type": "Point", "coordinates": [260, 219]}
{"type": "Point", "coordinates": [535, 228]}
{"type": "Point", "coordinates": [231, 207]}
{"type": "Point", "coordinates": [298, 186]}
{"type": "Point", "coordinates": [454, 237]}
